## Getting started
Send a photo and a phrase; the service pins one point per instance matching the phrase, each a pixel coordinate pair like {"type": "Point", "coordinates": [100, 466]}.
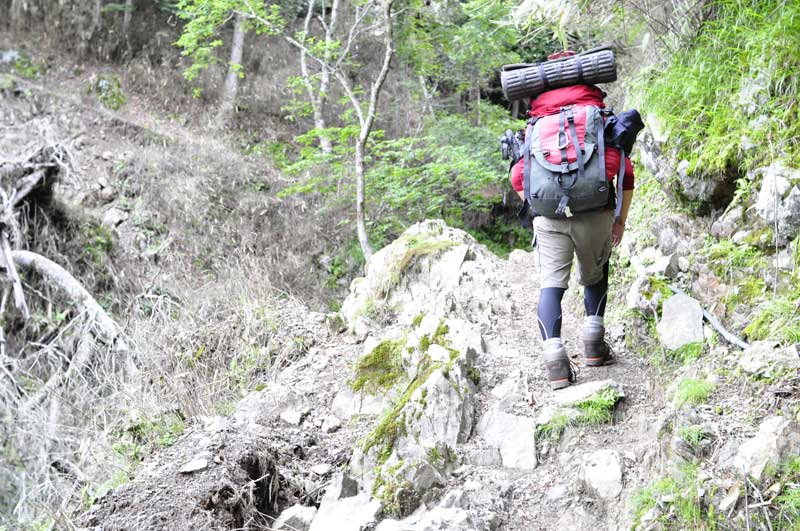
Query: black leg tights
{"type": "Point", "coordinates": [549, 312]}
{"type": "Point", "coordinates": [594, 296]}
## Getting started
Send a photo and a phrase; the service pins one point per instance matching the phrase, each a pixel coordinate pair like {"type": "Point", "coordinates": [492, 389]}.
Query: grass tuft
{"type": "Point", "coordinates": [693, 391]}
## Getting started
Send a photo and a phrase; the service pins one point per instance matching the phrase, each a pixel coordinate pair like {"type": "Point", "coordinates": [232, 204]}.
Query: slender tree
{"type": "Point", "coordinates": [338, 64]}
{"type": "Point", "coordinates": [234, 72]}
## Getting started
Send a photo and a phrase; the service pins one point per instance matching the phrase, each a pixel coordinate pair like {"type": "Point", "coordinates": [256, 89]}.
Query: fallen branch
{"type": "Point", "coordinates": [59, 277]}
{"type": "Point", "coordinates": [714, 322]}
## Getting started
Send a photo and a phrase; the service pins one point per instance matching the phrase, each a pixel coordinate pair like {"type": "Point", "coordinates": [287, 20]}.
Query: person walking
{"type": "Point", "coordinates": [589, 236]}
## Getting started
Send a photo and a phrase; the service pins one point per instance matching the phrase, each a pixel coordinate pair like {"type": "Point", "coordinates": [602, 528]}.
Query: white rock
{"type": "Point", "coordinates": [295, 518]}
{"type": "Point", "coordinates": [665, 266]}
{"type": "Point", "coordinates": [321, 469]}
{"type": "Point", "coordinates": [765, 357]}
{"type": "Point", "coordinates": [575, 394]}
{"type": "Point", "coordinates": [346, 514]}
{"type": "Point", "coordinates": [681, 322]}
{"type": "Point", "coordinates": [292, 417]}
{"type": "Point", "coordinates": [777, 437]}
{"type": "Point", "coordinates": [484, 457]}
{"type": "Point", "coordinates": [113, 217]}
{"type": "Point", "coordinates": [346, 403]}
{"type": "Point", "coordinates": [513, 435]}
{"type": "Point", "coordinates": [393, 525]}
{"type": "Point", "coordinates": [556, 493]}
{"type": "Point", "coordinates": [638, 300]}
{"type": "Point", "coordinates": [577, 518]}
{"type": "Point", "coordinates": [602, 474]}
{"type": "Point", "coordinates": [194, 465]}
{"type": "Point", "coordinates": [330, 424]}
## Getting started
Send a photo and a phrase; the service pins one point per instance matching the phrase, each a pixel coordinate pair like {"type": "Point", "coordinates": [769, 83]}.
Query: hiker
{"type": "Point", "coordinates": [589, 235]}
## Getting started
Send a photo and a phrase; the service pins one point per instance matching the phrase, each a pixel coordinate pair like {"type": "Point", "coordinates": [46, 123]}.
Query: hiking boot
{"type": "Point", "coordinates": [559, 369]}
{"type": "Point", "coordinates": [596, 351]}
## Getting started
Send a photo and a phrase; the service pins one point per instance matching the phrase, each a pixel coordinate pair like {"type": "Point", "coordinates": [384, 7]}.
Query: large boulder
{"type": "Point", "coordinates": [412, 449]}
{"type": "Point", "coordinates": [431, 269]}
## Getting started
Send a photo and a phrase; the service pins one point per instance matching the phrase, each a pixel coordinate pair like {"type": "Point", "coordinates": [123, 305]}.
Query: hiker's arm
{"type": "Point", "coordinates": [618, 230]}
{"type": "Point", "coordinates": [516, 178]}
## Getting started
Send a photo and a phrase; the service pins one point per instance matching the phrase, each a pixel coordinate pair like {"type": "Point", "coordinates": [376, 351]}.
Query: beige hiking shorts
{"type": "Point", "coordinates": [587, 236]}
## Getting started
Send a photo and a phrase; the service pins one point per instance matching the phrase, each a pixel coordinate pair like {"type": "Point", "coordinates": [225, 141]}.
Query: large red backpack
{"type": "Point", "coordinates": [565, 170]}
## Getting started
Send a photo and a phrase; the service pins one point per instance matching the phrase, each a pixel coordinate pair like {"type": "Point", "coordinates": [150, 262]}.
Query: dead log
{"type": "Point", "coordinates": [107, 329]}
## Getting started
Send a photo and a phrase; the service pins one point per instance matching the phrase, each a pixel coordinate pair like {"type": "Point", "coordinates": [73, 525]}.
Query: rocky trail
{"type": "Point", "coordinates": [454, 442]}
{"type": "Point", "coordinates": [422, 405]}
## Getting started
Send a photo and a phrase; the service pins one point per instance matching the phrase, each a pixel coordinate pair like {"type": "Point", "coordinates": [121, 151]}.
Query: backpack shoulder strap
{"type": "Point", "coordinates": [526, 155]}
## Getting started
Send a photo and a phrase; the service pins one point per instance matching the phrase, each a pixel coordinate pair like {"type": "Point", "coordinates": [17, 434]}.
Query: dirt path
{"type": "Point", "coordinates": [551, 497]}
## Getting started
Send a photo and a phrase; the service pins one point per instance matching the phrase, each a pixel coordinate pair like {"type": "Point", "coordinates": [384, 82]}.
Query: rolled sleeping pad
{"type": "Point", "coordinates": [523, 81]}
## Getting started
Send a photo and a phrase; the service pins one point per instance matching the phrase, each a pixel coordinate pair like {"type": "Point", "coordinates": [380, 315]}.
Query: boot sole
{"type": "Point", "coordinates": [598, 362]}
{"type": "Point", "coordinates": [560, 384]}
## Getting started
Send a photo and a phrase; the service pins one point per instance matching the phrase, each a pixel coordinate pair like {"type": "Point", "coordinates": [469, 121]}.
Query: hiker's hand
{"type": "Point", "coordinates": [617, 231]}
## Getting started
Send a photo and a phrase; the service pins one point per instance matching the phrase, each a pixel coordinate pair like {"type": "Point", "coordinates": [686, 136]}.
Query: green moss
{"type": "Point", "coordinates": [413, 248]}
{"type": "Point", "coordinates": [725, 257]}
{"type": "Point", "coordinates": [434, 456]}
{"type": "Point", "coordinates": [26, 68]}
{"type": "Point", "coordinates": [778, 318]}
{"type": "Point", "coordinates": [682, 493]}
{"type": "Point", "coordinates": [381, 369]}
{"type": "Point", "coordinates": [393, 424]}
{"type": "Point", "coordinates": [98, 242]}
{"type": "Point", "coordinates": [693, 391]}
{"type": "Point", "coordinates": [439, 337]}
{"type": "Point", "coordinates": [417, 320]}
{"type": "Point", "coordinates": [474, 374]}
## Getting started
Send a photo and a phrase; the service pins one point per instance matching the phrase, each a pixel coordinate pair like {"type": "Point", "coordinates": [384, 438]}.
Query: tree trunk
{"type": "Point", "coordinates": [361, 222]}
{"type": "Point", "coordinates": [367, 123]}
{"type": "Point", "coordinates": [234, 66]}
{"type": "Point", "coordinates": [126, 21]}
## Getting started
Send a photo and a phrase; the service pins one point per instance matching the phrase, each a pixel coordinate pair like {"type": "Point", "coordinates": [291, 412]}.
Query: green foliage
{"type": "Point", "coordinates": [460, 46]}
{"type": "Point", "coordinates": [26, 68]}
{"type": "Point", "coordinates": [98, 242]}
{"type": "Point", "coordinates": [687, 353]}
{"type": "Point", "coordinates": [555, 427]}
{"type": "Point", "coordinates": [693, 391]}
{"type": "Point", "coordinates": [697, 95]}
{"type": "Point", "coordinates": [599, 408]}
{"type": "Point", "coordinates": [726, 257]}
{"type": "Point", "coordinates": [777, 318]}
{"type": "Point", "coordinates": [116, 7]}
{"type": "Point", "coordinates": [381, 369]}
{"type": "Point", "coordinates": [109, 91]}
{"type": "Point", "coordinates": [205, 21]}
{"type": "Point", "coordinates": [682, 493]}
{"type": "Point", "coordinates": [450, 168]}
{"type": "Point", "coordinates": [693, 435]}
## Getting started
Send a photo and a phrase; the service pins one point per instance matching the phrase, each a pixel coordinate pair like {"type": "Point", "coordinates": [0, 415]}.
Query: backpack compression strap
{"type": "Point", "coordinates": [620, 176]}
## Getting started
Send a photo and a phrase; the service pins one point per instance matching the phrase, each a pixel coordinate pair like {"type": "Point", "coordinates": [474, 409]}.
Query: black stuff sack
{"type": "Point", "coordinates": [621, 131]}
